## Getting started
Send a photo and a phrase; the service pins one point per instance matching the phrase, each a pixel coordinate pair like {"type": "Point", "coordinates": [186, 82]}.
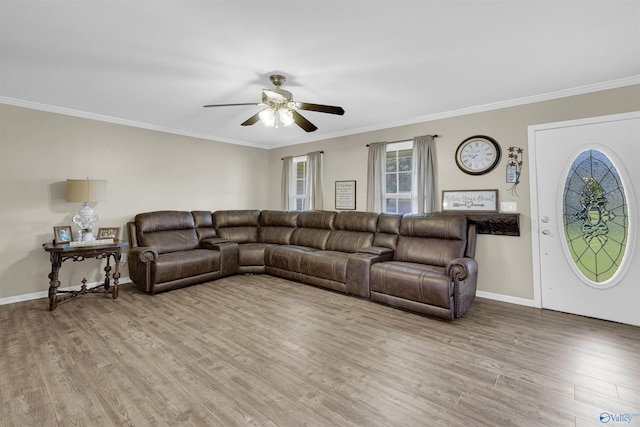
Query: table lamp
{"type": "Point", "coordinates": [86, 191]}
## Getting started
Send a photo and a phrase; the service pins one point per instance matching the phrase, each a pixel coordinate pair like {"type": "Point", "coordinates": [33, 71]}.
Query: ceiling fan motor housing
{"type": "Point", "coordinates": [277, 79]}
{"type": "Point", "coordinates": [277, 98]}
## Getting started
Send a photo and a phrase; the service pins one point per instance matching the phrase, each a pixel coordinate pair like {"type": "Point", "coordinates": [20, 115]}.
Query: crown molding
{"type": "Point", "coordinates": [564, 93]}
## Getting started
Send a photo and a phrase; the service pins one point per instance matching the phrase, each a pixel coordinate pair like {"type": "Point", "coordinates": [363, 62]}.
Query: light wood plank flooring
{"type": "Point", "coordinates": [262, 351]}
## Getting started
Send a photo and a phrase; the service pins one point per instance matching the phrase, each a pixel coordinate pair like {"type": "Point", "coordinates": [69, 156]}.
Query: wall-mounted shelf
{"type": "Point", "coordinates": [501, 224]}
{"type": "Point", "coordinates": [504, 224]}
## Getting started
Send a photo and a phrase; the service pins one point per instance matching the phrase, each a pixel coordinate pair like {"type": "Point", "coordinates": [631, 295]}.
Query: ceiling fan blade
{"type": "Point", "coordinates": [321, 108]}
{"type": "Point", "coordinates": [251, 120]}
{"type": "Point", "coordinates": [231, 105]}
{"type": "Point", "coordinates": [302, 122]}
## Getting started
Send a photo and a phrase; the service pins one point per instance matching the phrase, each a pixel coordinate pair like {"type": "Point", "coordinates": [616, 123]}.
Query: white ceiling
{"type": "Point", "coordinates": [154, 63]}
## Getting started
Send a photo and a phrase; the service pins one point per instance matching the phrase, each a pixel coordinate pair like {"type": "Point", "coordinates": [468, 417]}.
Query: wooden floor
{"type": "Point", "coordinates": [262, 351]}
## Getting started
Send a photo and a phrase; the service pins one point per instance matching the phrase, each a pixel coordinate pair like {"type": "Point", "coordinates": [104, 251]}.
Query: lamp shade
{"type": "Point", "coordinates": [86, 190]}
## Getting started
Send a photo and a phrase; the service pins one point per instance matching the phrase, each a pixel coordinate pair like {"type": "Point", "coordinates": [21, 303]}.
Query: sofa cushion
{"type": "Point", "coordinates": [285, 257]}
{"type": "Point", "coordinates": [348, 241]}
{"type": "Point", "coordinates": [204, 224]}
{"type": "Point", "coordinates": [328, 265]}
{"type": "Point", "coordinates": [240, 226]}
{"type": "Point", "coordinates": [352, 231]}
{"type": "Point", "coordinates": [387, 230]}
{"type": "Point", "coordinates": [431, 240]}
{"type": "Point", "coordinates": [166, 231]}
{"type": "Point", "coordinates": [313, 229]}
{"type": "Point", "coordinates": [316, 219]}
{"type": "Point", "coordinates": [426, 284]}
{"type": "Point", "coordinates": [251, 253]}
{"type": "Point", "coordinates": [186, 263]}
{"type": "Point", "coordinates": [277, 226]}
{"type": "Point", "coordinates": [356, 221]}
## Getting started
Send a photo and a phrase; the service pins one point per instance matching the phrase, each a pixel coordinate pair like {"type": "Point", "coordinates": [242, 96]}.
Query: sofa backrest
{"type": "Point", "coordinates": [240, 226]}
{"type": "Point", "coordinates": [167, 231]}
{"type": "Point", "coordinates": [313, 229]}
{"type": "Point", "coordinates": [352, 231]}
{"type": "Point", "coordinates": [433, 240]}
{"type": "Point", "coordinates": [387, 230]}
{"type": "Point", "coordinates": [204, 224]}
{"type": "Point", "coordinates": [277, 226]}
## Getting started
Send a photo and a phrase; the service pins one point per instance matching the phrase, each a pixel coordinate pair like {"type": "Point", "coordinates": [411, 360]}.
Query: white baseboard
{"type": "Point", "coordinates": [506, 298]}
{"type": "Point", "coordinates": [45, 294]}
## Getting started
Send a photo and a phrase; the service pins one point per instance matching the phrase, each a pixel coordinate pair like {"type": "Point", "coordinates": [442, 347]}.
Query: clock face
{"type": "Point", "coordinates": [478, 155]}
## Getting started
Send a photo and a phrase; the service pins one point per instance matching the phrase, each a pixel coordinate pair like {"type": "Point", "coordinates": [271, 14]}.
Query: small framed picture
{"type": "Point", "coordinates": [346, 195]}
{"type": "Point", "coordinates": [512, 173]}
{"type": "Point", "coordinates": [470, 200]}
{"type": "Point", "coordinates": [62, 234]}
{"type": "Point", "coordinates": [108, 233]}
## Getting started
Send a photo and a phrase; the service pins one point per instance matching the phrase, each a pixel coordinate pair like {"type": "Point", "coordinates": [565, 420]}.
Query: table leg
{"type": "Point", "coordinates": [116, 277]}
{"type": "Point", "coordinates": [54, 283]}
{"type": "Point", "coordinates": [107, 270]}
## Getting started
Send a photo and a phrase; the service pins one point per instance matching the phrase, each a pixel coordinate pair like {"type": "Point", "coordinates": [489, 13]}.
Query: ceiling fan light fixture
{"type": "Point", "coordinates": [276, 118]}
{"type": "Point", "coordinates": [285, 116]}
{"type": "Point", "coordinates": [268, 117]}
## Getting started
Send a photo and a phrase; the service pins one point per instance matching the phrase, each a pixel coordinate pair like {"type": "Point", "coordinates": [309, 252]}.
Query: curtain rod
{"type": "Point", "coordinates": [401, 140]}
{"type": "Point", "coordinates": [321, 152]}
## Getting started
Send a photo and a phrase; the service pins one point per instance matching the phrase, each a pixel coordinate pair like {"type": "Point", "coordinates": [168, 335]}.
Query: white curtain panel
{"type": "Point", "coordinates": [376, 170]}
{"type": "Point", "coordinates": [287, 182]}
{"type": "Point", "coordinates": [423, 187]}
{"type": "Point", "coordinates": [314, 180]}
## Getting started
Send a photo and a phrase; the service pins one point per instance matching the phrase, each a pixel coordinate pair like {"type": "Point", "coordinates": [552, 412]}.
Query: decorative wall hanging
{"type": "Point", "coordinates": [470, 200]}
{"type": "Point", "coordinates": [514, 168]}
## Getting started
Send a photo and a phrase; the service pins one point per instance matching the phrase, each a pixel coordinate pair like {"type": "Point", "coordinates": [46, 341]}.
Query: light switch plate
{"type": "Point", "coordinates": [508, 206]}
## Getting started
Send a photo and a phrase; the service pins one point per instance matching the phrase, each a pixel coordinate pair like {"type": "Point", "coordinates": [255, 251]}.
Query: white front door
{"type": "Point", "coordinates": [585, 186]}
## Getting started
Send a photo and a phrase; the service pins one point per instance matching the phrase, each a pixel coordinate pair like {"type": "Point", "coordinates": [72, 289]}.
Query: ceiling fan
{"type": "Point", "coordinates": [281, 109]}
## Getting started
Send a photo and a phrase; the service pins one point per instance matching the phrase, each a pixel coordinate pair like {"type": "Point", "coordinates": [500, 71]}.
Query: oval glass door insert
{"type": "Point", "coordinates": [596, 218]}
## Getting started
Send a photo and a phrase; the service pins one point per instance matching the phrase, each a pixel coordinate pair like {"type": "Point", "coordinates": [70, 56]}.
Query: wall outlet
{"type": "Point", "coordinates": [508, 206]}
{"type": "Point", "coordinates": [123, 258]}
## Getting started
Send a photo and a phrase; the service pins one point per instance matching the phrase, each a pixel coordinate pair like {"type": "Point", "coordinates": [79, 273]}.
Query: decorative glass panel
{"type": "Point", "coordinates": [595, 213]}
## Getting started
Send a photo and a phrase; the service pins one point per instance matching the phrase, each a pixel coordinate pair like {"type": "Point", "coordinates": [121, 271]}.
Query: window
{"type": "Point", "coordinates": [398, 177]}
{"type": "Point", "coordinates": [299, 196]}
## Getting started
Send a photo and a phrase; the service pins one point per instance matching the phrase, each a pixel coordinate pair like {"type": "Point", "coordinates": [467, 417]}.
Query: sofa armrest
{"type": "Point", "coordinates": [228, 254]}
{"type": "Point", "coordinates": [376, 250]}
{"type": "Point", "coordinates": [358, 271]}
{"type": "Point", "coordinates": [141, 263]}
{"type": "Point", "coordinates": [461, 268]}
{"type": "Point", "coordinates": [464, 273]}
{"type": "Point", "coordinates": [211, 242]}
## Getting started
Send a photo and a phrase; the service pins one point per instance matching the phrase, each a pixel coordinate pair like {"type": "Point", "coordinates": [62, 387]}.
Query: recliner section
{"type": "Point", "coordinates": [422, 263]}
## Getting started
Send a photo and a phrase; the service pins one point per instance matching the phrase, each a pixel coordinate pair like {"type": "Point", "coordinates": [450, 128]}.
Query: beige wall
{"type": "Point", "coordinates": [146, 170]}
{"type": "Point", "coordinates": [150, 170]}
{"type": "Point", "coordinates": [505, 263]}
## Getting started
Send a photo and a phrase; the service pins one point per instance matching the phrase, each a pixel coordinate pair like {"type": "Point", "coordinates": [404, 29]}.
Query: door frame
{"type": "Point", "coordinates": [533, 190]}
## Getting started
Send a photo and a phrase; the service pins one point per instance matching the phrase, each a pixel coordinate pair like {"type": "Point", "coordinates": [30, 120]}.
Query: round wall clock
{"type": "Point", "coordinates": [478, 155]}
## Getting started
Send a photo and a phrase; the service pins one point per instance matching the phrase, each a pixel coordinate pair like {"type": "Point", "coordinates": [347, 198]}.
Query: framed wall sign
{"type": "Point", "coordinates": [470, 200]}
{"type": "Point", "coordinates": [345, 195]}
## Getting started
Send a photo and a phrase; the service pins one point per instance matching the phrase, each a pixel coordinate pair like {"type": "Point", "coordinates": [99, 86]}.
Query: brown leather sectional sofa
{"type": "Point", "coordinates": [422, 263]}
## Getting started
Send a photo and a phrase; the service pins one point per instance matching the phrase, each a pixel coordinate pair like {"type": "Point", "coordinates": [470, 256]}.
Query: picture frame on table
{"type": "Point", "coordinates": [470, 200]}
{"type": "Point", "coordinates": [108, 233]}
{"type": "Point", "coordinates": [62, 234]}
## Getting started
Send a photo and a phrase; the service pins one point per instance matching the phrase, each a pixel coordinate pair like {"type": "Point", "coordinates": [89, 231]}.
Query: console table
{"type": "Point", "coordinates": [59, 253]}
